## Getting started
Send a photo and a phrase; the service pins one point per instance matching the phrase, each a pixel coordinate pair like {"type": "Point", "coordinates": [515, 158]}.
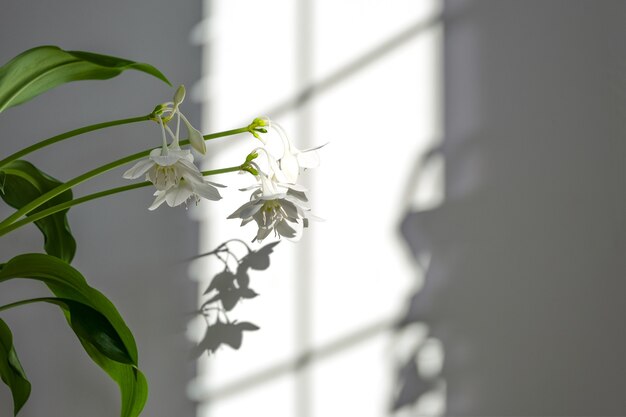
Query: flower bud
{"type": "Point", "coordinates": [252, 156]}
{"type": "Point", "coordinates": [196, 140]}
{"type": "Point", "coordinates": [179, 96]}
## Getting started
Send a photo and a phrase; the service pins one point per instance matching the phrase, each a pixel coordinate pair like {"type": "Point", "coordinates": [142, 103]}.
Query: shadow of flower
{"type": "Point", "coordinates": [223, 333]}
{"type": "Point", "coordinates": [226, 290]}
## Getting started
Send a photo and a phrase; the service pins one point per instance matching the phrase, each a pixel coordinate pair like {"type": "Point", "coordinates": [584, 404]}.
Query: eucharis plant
{"type": "Point", "coordinates": [278, 205]}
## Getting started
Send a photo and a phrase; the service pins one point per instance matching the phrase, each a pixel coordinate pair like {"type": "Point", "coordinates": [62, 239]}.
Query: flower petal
{"type": "Point", "coordinates": [252, 187]}
{"type": "Point", "coordinates": [297, 194]}
{"type": "Point", "coordinates": [309, 158]}
{"type": "Point", "coordinates": [172, 157]}
{"type": "Point", "coordinates": [275, 172]}
{"type": "Point", "coordinates": [269, 187]}
{"type": "Point", "coordinates": [184, 154]}
{"type": "Point", "coordinates": [290, 168]}
{"type": "Point", "coordinates": [215, 184]}
{"type": "Point", "coordinates": [262, 233]}
{"type": "Point", "coordinates": [284, 229]}
{"type": "Point", "coordinates": [244, 209]}
{"type": "Point", "coordinates": [176, 196]}
{"type": "Point", "coordinates": [166, 160]}
{"type": "Point", "coordinates": [298, 229]}
{"type": "Point", "coordinates": [298, 203]}
{"type": "Point", "coordinates": [290, 209]}
{"type": "Point", "coordinates": [246, 221]}
{"type": "Point", "coordinates": [206, 190]}
{"type": "Point", "coordinates": [250, 210]}
{"type": "Point", "coordinates": [160, 199]}
{"type": "Point", "coordinates": [193, 177]}
{"type": "Point", "coordinates": [297, 187]}
{"type": "Point", "coordinates": [138, 169]}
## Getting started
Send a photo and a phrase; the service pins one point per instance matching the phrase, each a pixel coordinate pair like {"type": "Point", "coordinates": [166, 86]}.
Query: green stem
{"type": "Point", "coordinates": [90, 174]}
{"type": "Point", "coordinates": [59, 207]}
{"type": "Point", "coordinates": [221, 134]}
{"type": "Point", "coordinates": [71, 133]}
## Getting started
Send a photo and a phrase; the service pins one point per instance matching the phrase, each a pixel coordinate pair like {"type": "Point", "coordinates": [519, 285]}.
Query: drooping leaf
{"type": "Point", "coordinates": [92, 327]}
{"type": "Point", "coordinates": [67, 283]}
{"type": "Point", "coordinates": [132, 383]}
{"type": "Point", "coordinates": [21, 183]}
{"type": "Point", "coordinates": [42, 68]}
{"type": "Point", "coordinates": [11, 370]}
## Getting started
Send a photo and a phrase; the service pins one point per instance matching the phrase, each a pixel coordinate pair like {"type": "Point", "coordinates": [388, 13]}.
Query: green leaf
{"type": "Point", "coordinates": [21, 183]}
{"type": "Point", "coordinates": [132, 383]}
{"type": "Point", "coordinates": [67, 283]}
{"type": "Point", "coordinates": [40, 69]}
{"type": "Point", "coordinates": [92, 327]}
{"type": "Point", "coordinates": [11, 370]}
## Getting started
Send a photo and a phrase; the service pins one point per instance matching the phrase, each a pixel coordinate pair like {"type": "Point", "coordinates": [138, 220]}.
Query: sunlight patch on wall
{"type": "Point", "coordinates": [372, 92]}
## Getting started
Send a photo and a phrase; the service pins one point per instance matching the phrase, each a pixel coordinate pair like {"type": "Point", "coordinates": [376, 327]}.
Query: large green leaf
{"type": "Point", "coordinates": [21, 183]}
{"type": "Point", "coordinates": [11, 370]}
{"type": "Point", "coordinates": [67, 283]}
{"type": "Point", "coordinates": [40, 69]}
{"type": "Point", "coordinates": [132, 383]}
{"type": "Point", "coordinates": [93, 328]}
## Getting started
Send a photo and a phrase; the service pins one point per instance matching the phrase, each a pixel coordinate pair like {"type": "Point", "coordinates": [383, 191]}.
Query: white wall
{"type": "Point", "coordinates": [526, 285]}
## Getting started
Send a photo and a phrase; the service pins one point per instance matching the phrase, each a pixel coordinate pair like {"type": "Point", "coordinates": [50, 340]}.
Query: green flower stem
{"type": "Point", "coordinates": [221, 134]}
{"type": "Point", "coordinates": [70, 134]}
{"type": "Point", "coordinates": [54, 209]}
{"type": "Point", "coordinates": [88, 175]}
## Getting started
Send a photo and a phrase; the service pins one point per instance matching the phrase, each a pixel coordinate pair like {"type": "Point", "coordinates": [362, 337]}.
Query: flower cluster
{"type": "Point", "coordinates": [274, 207]}
{"type": "Point", "coordinates": [170, 168]}
{"type": "Point", "coordinates": [278, 203]}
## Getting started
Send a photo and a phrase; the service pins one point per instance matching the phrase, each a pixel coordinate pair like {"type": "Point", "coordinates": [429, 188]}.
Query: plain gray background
{"type": "Point", "coordinates": [527, 282]}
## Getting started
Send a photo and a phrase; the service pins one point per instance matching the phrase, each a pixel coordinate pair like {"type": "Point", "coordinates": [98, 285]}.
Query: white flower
{"type": "Point", "coordinates": [191, 187]}
{"type": "Point", "coordinates": [164, 168]}
{"type": "Point", "coordinates": [173, 173]}
{"type": "Point", "coordinates": [294, 160]}
{"type": "Point", "coordinates": [275, 207]}
{"type": "Point", "coordinates": [278, 203]}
